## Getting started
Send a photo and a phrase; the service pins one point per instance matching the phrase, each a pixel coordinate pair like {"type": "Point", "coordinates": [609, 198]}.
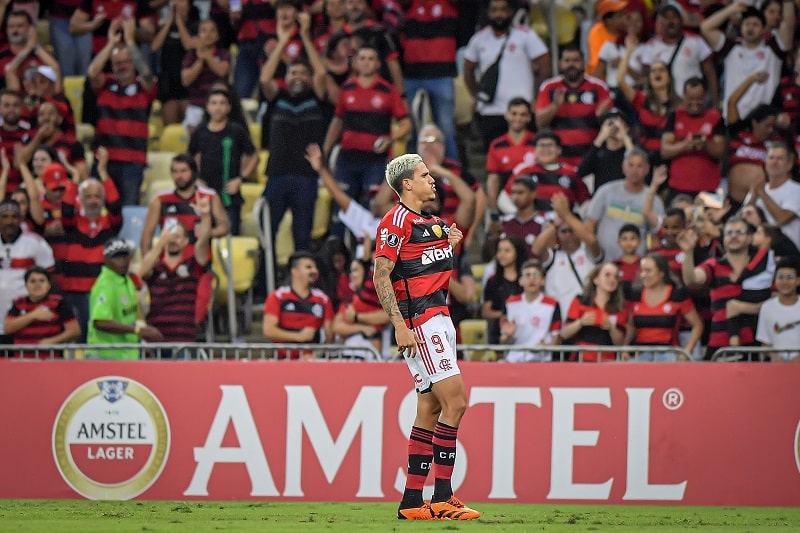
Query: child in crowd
{"type": "Point", "coordinates": [532, 318]}
{"type": "Point", "coordinates": [629, 239]}
{"type": "Point", "coordinates": [779, 318]}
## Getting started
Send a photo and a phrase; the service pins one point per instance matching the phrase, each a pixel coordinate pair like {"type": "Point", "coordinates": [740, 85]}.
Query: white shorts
{"type": "Point", "coordinates": [436, 353]}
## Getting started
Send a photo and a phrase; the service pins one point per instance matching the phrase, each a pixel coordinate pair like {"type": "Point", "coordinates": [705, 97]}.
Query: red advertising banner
{"type": "Point", "coordinates": [683, 433]}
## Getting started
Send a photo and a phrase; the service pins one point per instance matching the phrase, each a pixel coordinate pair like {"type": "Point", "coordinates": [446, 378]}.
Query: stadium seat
{"type": "Point", "coordinates": [158, 168]}
{"type": "Point", "coordinates": [255, 134]}
{"type": "Point", "coordinates": [84, 134]}
{"type": "Point", "coordinates": [284, 245]}
{"type": "Point", "coordinates": [251, 192]}
{"type": "Point", "coordinates": [244, 255]}
{"type": "Point", "coordinates": [261, 169]}
{"type": "Point", "coordinates": [566, 24]}
{"type": "Point", "coordinates": [133, 217]}
{"type": "Point", "coordinates": [250, 108]}
{"type": "Point", "coordinates": [474, 331]}
{"type": "Point", "coordinates": [157, 186]}
{"type": "Point", "coordinates": [477, 273]}
{"type": "Point", "coordinates": [73, 90]}
{"type": "Point", "coordinates": [173, 139]}
{"type": "Point", "coordinates": [463, 105]}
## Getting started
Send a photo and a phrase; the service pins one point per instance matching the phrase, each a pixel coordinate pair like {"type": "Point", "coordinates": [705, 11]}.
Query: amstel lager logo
{"type": "Point", "coordinates": [111, 439]}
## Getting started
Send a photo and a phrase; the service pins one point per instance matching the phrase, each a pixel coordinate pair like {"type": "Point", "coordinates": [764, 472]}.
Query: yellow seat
{"type": "Point", "coordinates": [255, 134]}
{"type": "Point", "coordinates": [73, 90]}
{"type": "Point", "coordinates": [158, 168]}
{"type": "Point", "coordinates": [251, 192]}
{"type": "Point", "coordinates": [566, 24]}
{"type": "Point", "coordinates": [173, 139]}
{"type": "Point", "coordinates": [154, 188]}
{"type": "Point", "coordinates": [84, 133]}
{"type": "Point", "coordinates": [250, 108]}
{"type": "Point", "coordinates": [244, 255]}
{"type": "Point", "coordinates": [474, 331]}
{"type": "Point", "coordinates": [477, 273]}
{"type": "Point", "coordinates": [463, 105]}
{"type": "Point", "coordinates": [261, 169]}
{"type": "Point", "coordinates": [284, 241]}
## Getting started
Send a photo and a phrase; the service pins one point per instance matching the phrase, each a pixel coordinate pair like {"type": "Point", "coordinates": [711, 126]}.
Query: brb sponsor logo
{"type": "Point", "coordinates": [431, 255]}
{"type": "Point", "coordinates": [111, 439]}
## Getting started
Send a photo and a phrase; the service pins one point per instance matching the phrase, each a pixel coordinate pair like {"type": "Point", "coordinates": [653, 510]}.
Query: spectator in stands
{"type": "Point", "coordinates": [74, 51]}
{"type": "Point", "coordinates": [771, 237]}
{"type": "Point", "coordinates": [779, 317]}
{"type": "Point", "coordinates": [333, 261]}
{"type": "Point", "coordinates": [361, 321]}
{"type": "Point", "coordinates": [552, 176]}
{"type": "Point", "coordinates": [202, 66]}
{"type": "Point", "coordinates": [86, 230]}
{"type": "Point", "coordinates": [787, 100]}
{"type": "Point", "coordinates": [363, 31]}
{"type": "Point", "coordinates": [23, 48]}
{"type": "Point", "coordinates": [604, 158]}
{"type": "Point", "coordinates": [297, 121]}
{"type": "Point", "coordinates": [747, 151]}
{"type": "Point", "coordinates": [367, 104]}
{"type": "Point", "coordinates": [598, 316]}
{"type": "Point", "coordinates": [224, 154]}
{"type": "Point", "coordinates": [516, 147]}
{"type": "Point", "coordinates": [510, 256]}
{"type": "Point", "coordinates": [621, 202]}
{"type": "Point", "coordinates": [40, 317]}
{"type": "Point", "coordinates": [526, 223]}
{"type": "Point", "coordinates": [29, 194]}
{"type": "Point", "coordinates": [686, 54]}
{"type": "Point", "coordinates": [12, 132]}
{"type": "Point", "coordinates": [429, 61]}
{"type": "Point", "coordinates": [49, 133]}
{"type": "Point", "coordinates": [629, 238]}
{"type": "Point", "coordinates": [172, 41]}
{"type": "Point", "coordinates": [114, 305]}
{"type": "Point", "coordinates": [58, 202]}
{"type": "Point", "coordinates": [657, 309]}
{"type": "Point", "coordinates": [572, 104]}
{"type": "Point", "coordinates": [694, 142]}
{"type": "Point", "coordinates": [99, 16]}
{"type": "Point", "coordinates": [652, 104]}
{"type": "Point", "coordinates": [256, 21]}
{"type": "Point", "coordinates": [333, 21]}
{"type": "Point", "coordinates": [22, 251]}
{"type": "Point", "coordinates": [568, 250]}
{"type": "Point", "coordinates": [612, 57]}
{"type": "Point", "coordinates": [297, 312]}
{"type": "Point", "coordinates": [726, 278]}
{"type": "Point", "coordinates": [173, 277]}
{"type": "Point", "coordinates": [755, 51]}
{"type": "Point", "coordinates": [779, 195]}
{"type": "Point", "coordinates": [178, 204]}
{"type": "Point", "coordinates": [123, 106]}
{"type": "Point", "coordinates": [532, 318]}
{"type": "Point", "coordinates": [42, 84]}
{"type": "Point", "coordinates": [524, 62]}
{"type": "Point", "coordinates": [612, 24]}
{"type": "Point", "coordinates": [337, 67]}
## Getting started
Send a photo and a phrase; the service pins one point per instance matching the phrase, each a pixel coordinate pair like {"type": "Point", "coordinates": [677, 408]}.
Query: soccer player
{"type": "Point", "coordinates": [413, 263]}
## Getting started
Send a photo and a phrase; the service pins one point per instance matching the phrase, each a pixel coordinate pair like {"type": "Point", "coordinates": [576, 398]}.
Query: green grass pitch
{"type": "Point", "coordinates": [57, 516]}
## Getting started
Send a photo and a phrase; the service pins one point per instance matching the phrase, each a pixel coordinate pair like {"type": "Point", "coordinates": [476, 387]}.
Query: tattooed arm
{"type": "Point", "coordinates": [406, 339]}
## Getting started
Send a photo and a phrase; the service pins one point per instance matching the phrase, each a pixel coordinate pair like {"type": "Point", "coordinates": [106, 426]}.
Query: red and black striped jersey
{"type": "Point", "coordinates": [367, 112]}
{"type": "Point", "coordinates": [659, 324]}
{"type": "Point", "coordinates": [788, 97]}
{"type": "Point", "coordinates": [8, 138]}
{"type": "Point", "coordinates": [180, 209]}
{"type": "Point", "coordinates": [113, 9]}
{"type": "Point", "coordinates": [258, 20]}
{"type": "Point", "coordinates": [40, 329]}
{"type": "Point", "coordinates": [576, 120]}
{"type": "Point", "coordinates": [78, 268]}
{"type": "Point", "coordinates": [505, 155]}
{"type": "Point", "coordinates": [122, 115]}
{"type": "Point", "coordinates": [757, 276]}
{"type": "Point", "coordinates": [628, 274]}
{"type": "Point", "coordinates": [417, 244]}
{"type": "Point", "coordinates": [556, 178]}
{"type": "Point", "coordinates": [744, 147]}
{"type": "Point", "coordinates": [429, 39]}
{"type": "Point", "coordinates": [295, 313]}
{"type": "Point", "coordinates": [595, 334]}
{"type": "Point", "coordinates": [173, 293]}
{"type": "Point", "coordinates": [651, 124]}
{"type": "Point", "coordinates": [7, 55]}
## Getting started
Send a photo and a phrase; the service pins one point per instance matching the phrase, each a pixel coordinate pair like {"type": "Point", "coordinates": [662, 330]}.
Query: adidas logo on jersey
{"type": "Point", "coordinates": [426, 234]}
{"type": "Point", "coordinates": [431, 255]}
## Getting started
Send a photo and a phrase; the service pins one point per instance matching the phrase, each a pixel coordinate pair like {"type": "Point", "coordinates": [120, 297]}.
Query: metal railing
{"type": "Point", "coordinates": [750, 353]}
{"type": "Point", "coordinates": [192, 351]}
{"type": "Point", "coordinates": [565, 352]}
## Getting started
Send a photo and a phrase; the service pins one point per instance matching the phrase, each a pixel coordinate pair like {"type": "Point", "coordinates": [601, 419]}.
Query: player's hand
{"type": "Point", "coordinates": [455, 236]}
{"type": "Point", "coordinates": [407, 341]}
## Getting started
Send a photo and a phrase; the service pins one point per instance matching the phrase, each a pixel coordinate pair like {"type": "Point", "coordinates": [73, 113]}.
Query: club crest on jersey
{"type": "Point", "coordinates": [437, 230]}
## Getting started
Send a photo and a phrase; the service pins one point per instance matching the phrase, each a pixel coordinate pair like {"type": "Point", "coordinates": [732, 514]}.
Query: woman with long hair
{"type": "Point", "coordinates": [361, 321]}
{"type": "Point", "coordinates": [652, 104]}
{"type": "Point", "coordinates": [510, 255]}
{"type": "Point", "coordinates": [657, 310]}
{"type": "Point", "coordinates": [598, 316]}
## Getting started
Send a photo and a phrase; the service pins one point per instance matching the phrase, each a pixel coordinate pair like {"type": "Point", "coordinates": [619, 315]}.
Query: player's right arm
{"type": "Point", "coordinates": [383, 286]}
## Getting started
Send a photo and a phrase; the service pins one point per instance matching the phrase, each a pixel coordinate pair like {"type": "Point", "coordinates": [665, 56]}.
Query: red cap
{"type": "Point", "coordinates": [55, 176]}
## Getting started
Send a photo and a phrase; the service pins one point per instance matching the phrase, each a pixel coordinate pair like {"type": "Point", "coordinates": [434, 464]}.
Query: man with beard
{"type": "Point", "coordinates": [524, 59]}
{"type": "Point", "coordinates": [686, 55]}
{"type": "Point", "coordinates": [22, 49]}
{"type": "Point", "coordinates": [12, 132]}
{"type": "Point", "coordinates": [298, 312]}
{"type": "Point", "coordinates": [173, 277]}
{"type": "Point", "coordinates": [297, 121]}
{"type": "Point", "coordinates": [86, 228]}
{"type": "Point", "coordinates": [571, 105]}
{"type": "Point", "coordinates": [18, 251]}
{"type": "Point", "coordinates": [44, 85]}
{"type": "Point", "coordinates": [755, 51]}
{"type": "Point", "coordinates": [177, 207]}
{"type": "Point", "coordinates": [123, 107]}
{"type": "Point", "coordinates": [49, 119]}
{"type": "Point", "coordinates": [742, 269]}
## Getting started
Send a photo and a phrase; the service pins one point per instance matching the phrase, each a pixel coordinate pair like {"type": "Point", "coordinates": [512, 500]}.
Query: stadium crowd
{"type": "Point", "coordinates": [646, 193]}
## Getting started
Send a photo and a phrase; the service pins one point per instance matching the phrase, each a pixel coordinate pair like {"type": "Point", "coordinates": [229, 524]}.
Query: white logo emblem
{"type": "Point", "coordinates": [431, 255]}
